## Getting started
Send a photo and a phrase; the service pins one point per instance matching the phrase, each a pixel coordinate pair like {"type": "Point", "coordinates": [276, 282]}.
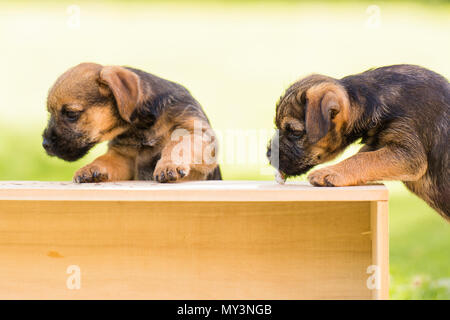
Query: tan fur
{"type": "Point", "coordinates": [199, 165]}
{"type": "Point", "coordinates": [101, 124]}
{"type": "Point", "coordinates": [81, 89]}
{"type": "Point", "coordinates": [401, 115]}
{"type": "Point", "coordinates": [322, 99]}
{"type": "Point", "coordinates": [363, 167]}
{"type": "Point", "coordinates": [125, 86]}
{"type": "Point", "coordinates": [114, 165]}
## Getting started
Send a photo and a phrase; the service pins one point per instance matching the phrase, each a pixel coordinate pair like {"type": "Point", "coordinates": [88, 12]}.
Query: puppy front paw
{"type": "Point", "coordinates": [328, 177]}
{"type": "Point", "coordinates": [90, 174]}
{"type": "Point", "coordinates": [167, 171]}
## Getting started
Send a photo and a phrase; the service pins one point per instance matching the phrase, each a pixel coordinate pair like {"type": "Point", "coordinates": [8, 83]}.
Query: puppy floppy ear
{"type": "Point", "coordinates": [324, 103]}
{"type": "Point", "coordinates": [125, 85]}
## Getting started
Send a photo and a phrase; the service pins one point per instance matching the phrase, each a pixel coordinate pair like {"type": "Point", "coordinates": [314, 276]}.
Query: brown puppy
{"type": "Point", "coordinates": [400, 112]}
{"type": "Point", "coordinates": [157, 130]}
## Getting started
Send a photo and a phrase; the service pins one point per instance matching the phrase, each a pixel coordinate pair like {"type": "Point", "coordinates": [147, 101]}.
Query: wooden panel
{"type": "Point", "coordinates": [380, 246]}
{"type": "Point", "coordinates": [186, 250]}
{"type": "Point", "coordinates": [190, 191]}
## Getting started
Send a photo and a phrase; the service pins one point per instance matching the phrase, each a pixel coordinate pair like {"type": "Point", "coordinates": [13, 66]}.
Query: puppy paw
{"type": "Point", "coordinates": [166, 171]}
{"type": "Point", "coordinates": [90, 174]}
{"type": "Point", "coordinates": [327, 177]}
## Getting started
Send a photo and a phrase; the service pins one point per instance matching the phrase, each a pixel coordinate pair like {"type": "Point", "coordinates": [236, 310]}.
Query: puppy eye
{"type": "Point", "coordinates": [294, 134]}
{"type": "Point", "coordinates": [333, 113]}
{"type": "Point", "coordinates": [71, 116]}
{"type": "Point", "coordinates": [297, 134]}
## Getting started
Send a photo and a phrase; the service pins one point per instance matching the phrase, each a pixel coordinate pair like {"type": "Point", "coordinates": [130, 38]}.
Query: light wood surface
{"type": "Point", "coordinates": [380, 245]}
{"type": "Point", "coordinates": [188, 249]}
{"type": "Point", "coordinates": [190, 191]}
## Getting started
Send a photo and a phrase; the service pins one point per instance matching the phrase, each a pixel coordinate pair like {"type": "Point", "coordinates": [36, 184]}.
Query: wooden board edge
{"type": "Point", "coordinates": [379, 216]}
{"type": "Point", "coordinates": [251, 195]}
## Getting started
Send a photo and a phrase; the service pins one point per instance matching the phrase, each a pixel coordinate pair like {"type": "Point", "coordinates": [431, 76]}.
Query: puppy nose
{"type": "Point", "coordinates": [45, 144]}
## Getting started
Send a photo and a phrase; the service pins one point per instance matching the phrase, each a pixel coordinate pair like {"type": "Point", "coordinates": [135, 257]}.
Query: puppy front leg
{"type": "Point", "coordinates": [191, 158]}
{"type": "Point", "coordinates": [387, 163]}
{"type": "Point", "coordinates": [112, 166]}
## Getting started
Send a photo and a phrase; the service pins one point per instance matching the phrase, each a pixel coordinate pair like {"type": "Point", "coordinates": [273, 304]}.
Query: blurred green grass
{"type": "Point", "coordinates": [236, 59]}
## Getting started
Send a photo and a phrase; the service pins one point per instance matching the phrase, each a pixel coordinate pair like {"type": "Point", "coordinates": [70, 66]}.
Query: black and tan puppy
{"type": "Point", "coordinates": [400, 112]}
{"type": "Point", "coordinates": [149, 122]}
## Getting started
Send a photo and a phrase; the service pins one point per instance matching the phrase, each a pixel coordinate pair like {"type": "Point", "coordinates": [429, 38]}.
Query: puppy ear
{"type": "Point", "coordinates": [324, 103]}
{"type": "Point", "coordinates": [125, 85]}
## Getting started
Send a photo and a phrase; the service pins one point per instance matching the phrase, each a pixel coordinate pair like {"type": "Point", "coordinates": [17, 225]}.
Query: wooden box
{"type": "Point", "coordinates": [199, 240]}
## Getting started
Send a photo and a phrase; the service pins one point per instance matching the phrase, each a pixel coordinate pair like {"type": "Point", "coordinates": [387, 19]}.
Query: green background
{"type": "Point", "coordinates": [236, 58]}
